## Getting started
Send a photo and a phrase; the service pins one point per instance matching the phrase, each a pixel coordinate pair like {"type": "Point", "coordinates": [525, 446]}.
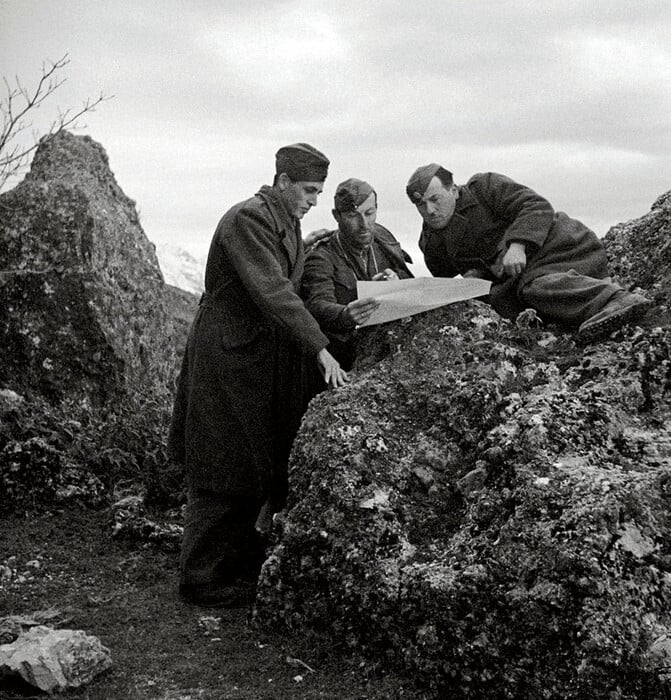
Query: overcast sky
{"type": "Point", "coordinates": [570, 97]}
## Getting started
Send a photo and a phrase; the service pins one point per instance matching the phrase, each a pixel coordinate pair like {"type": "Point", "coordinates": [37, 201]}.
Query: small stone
{"type": "Point", "coordinates": [424, 476]}
{"type": "Point", "coordinates": [472, 482]}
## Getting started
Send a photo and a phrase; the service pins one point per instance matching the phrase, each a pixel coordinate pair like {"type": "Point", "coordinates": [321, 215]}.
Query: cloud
{"type": "Point", "coordinates": [570, 97]}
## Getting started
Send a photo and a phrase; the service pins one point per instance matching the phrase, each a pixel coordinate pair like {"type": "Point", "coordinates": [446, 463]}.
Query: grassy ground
{"type": "Point", "coordinates": [126, 596]}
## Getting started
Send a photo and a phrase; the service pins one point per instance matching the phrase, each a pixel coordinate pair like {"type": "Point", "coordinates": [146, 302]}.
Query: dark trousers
{"type": "Point", "coordinates": [220, 544]}
{"type": "Point", "coordinates": [568, 298]}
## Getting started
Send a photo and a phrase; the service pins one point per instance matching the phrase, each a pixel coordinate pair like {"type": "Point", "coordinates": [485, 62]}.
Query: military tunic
{"type": "Point", "coordinates": [330, 277]}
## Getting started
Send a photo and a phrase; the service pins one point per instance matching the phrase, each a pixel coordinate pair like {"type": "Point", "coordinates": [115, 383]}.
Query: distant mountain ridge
{"type": "Point", "coordinates": [181, 268]}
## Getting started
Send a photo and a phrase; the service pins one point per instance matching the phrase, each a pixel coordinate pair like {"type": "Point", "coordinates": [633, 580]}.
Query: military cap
{"type": "Point", "coordinates": [422, 177]}
{"type": "Point", "coordinates": [302, 162]}
{"type": "Point", "coordinates": [350, 194]}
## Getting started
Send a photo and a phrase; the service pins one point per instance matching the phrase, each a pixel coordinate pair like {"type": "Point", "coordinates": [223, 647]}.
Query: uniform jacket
{"type": "Point", "coordinates": [225, 427]}
{"type": "Point", "coordinates": [491, 212]}
{"type": "Point", "coordinates": [329, 281]}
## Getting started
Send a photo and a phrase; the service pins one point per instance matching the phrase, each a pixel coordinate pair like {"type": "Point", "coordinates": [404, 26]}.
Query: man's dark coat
{"type": "Point", "coordinates": [493, 211]}
{"type": "Point", "coordinates": [237, 401]}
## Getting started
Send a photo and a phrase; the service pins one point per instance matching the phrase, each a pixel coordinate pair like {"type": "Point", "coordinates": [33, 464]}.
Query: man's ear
{"type": "Point", "coordinates": [283, 181]}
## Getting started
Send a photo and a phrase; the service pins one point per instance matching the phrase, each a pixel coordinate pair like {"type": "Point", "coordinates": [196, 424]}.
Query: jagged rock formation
{"type": "Point", "coordinates": [84, 312]}
{"type": "Point", "coordinates": [488, 506]}
{"type": "Point", "coordinates": [183, 306]}
{"type": "Point", "coordinates": [639, 251]}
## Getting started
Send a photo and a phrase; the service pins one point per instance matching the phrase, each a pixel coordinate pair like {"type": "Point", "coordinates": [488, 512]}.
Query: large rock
{"type": "Point", "coordinates": [639, 251]}
{"type": "Point", "coordinates": [488, 507]}
{"type": "Point", "coordinates": [52, 659]}
{"type": "Point", "coordinates": [83, 310]}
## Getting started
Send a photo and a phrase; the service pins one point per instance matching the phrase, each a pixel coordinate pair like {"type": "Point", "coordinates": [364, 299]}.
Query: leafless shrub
{"type": "Point", "coordinates": [18, 105]}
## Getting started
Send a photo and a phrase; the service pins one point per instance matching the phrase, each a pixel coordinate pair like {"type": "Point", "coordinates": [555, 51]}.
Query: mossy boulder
{"type": "Point", "coordinates": [487, 506]}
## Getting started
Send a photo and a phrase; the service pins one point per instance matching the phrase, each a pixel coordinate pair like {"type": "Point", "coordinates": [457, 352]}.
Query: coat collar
{"type": "Point", "coordinates": [288, 227]}
{"type": "Point", "coordinates": [283, 220]}
{"type": "Point", "coordinates": [465, 201]}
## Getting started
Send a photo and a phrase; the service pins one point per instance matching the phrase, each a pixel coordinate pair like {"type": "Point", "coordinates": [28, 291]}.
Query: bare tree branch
{"type": "Point", "coordinates": [20, 102]}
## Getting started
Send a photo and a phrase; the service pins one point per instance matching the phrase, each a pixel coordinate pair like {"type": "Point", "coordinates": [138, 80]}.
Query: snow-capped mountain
{"type": "Point", "coordinates": [181, 268]}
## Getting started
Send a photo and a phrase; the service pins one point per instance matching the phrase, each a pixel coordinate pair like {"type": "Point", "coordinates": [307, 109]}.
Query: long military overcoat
{"type": "Point", "coordinates": [237, 399]}
{"type": "Point", "coordinates": [491, 212]}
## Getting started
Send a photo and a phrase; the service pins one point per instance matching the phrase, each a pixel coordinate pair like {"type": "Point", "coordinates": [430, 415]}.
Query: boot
{"type": "Point", "coordinates": [622, 308]}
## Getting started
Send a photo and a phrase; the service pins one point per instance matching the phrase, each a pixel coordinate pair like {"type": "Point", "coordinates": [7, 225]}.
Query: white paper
{"type": "Point", "coordinates": [402, 298]}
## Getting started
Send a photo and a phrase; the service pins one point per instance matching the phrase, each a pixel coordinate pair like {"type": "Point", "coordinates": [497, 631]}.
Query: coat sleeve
{"type": "Point", "coordinates": [527, 215]}
{"type": "Point", "coordinates": [250, 246]}
{"type": "Point", "coordinates": [318, 290]}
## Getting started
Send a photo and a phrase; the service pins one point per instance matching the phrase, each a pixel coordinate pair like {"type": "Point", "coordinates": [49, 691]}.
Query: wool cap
{"type": "Point", "coordinates": [422, 177]}
{"type": "Point", "coordinates": [302, 162]}
{"type": "Point", "coordinates": [350, 194]}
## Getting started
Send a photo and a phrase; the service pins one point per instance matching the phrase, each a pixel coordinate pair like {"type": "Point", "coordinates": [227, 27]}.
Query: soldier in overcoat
{"type": "Point", "coordinates": [239, 397]}
{"type": "Point", "coordinates": [359, 249]}
{"type": "Point", "coordinates": [496, 228]}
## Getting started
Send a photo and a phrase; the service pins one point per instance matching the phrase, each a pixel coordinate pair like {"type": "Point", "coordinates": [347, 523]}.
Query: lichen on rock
{"type": "Point", "coordinates": [84, 311]}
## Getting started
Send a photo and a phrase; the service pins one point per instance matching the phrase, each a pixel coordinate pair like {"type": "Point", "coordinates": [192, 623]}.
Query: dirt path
{"type": "Point", "coordinates": [160, 646]}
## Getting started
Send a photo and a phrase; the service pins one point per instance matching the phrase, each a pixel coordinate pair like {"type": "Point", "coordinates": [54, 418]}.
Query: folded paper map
{"type": "Point", "coordinates": [401, 298]}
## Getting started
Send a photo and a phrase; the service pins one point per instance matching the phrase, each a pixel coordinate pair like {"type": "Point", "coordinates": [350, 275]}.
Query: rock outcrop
{"type": "Point", "coordinates": [84, 312]}
{"type": "Point", "coordinates": [639, 251]}
{"type": "Point", "coordinates": [487, 505]}
{"type": "Point", "coordinates": [182, 307]}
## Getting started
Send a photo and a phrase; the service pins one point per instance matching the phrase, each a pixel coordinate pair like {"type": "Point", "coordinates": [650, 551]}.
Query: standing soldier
{"type": "Point", "coordinates": [240, 395]}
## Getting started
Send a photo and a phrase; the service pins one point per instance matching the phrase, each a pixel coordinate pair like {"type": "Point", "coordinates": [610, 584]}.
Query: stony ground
{"type": "Point", "coordinates": [161, 648]}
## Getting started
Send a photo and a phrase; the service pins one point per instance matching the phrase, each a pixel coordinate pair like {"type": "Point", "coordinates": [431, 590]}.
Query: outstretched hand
{"type": "Point", "coordinates": [334, 375]}
{"type": "Point", "coordinates": [357, 312]}
{"type": "Point", "coordinates": [386, 274]}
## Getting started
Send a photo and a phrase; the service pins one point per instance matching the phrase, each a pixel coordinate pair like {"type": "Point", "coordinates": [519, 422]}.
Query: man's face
{"type": "Point", "coordinates": [438, 203]}
{"type": "Point", "coordinates": [299, 197]}
{"type": "Point", "coordinates": [356, 225]}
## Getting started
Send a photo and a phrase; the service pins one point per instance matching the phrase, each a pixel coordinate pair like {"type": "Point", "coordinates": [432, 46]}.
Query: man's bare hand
{"type": "Point", "coordinates": [314, 237]}
{"type": "Point", "coordinates": [515, 260]}
{"type": "Point", "coordinates": [386, 274]}
{"type": "Point", "coordinates": [473, 273]}
{"type": "Point", "coordinates": [334, 375]}
{"type": "Point", "coordinates": [359, 310]}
